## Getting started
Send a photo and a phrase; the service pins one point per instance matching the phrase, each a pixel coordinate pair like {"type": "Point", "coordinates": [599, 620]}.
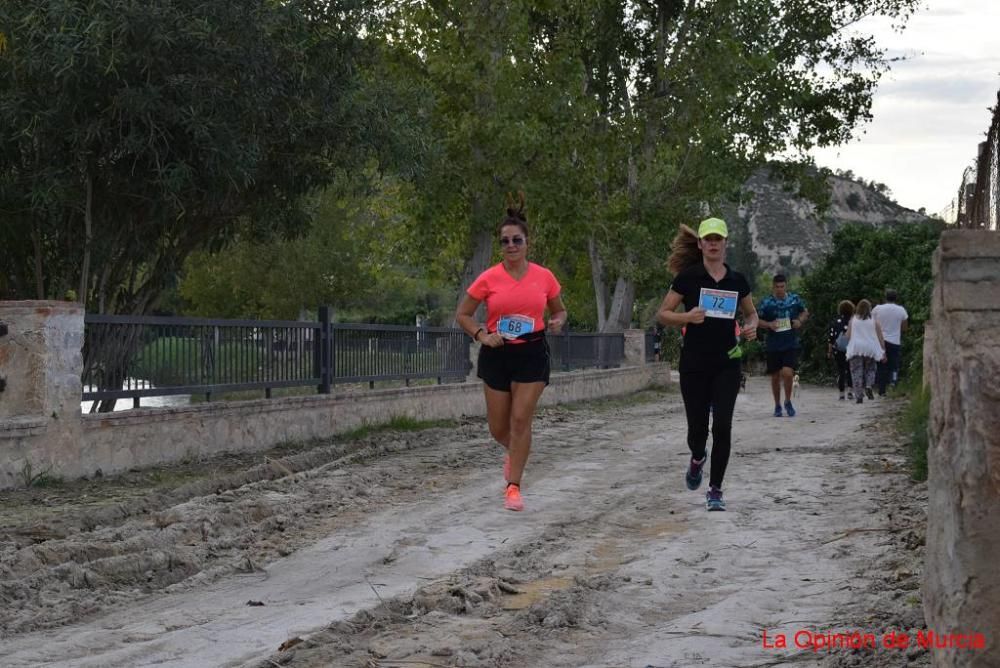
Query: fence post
{"type": "Point", "coordinates": [324, 354]}
{"type": "Point", "coordinates": [41, 361]}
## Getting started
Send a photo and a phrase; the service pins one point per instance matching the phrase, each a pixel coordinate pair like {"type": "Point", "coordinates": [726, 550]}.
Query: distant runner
{"type": "Point", "coordinates": [783, 314]}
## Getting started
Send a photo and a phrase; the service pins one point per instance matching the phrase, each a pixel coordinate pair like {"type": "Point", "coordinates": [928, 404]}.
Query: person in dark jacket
{"type": "Point", "coordinates": [836, 347]}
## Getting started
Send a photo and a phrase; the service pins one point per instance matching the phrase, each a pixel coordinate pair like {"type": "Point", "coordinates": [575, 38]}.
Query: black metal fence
{"type": "Point", "coordinates": [145, 356]}
{"type": "Point", "coordinates": [131, 357]}
{"type": "Point", "coordinates": [573, 350]}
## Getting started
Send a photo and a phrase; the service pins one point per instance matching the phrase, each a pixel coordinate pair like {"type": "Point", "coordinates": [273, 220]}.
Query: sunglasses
{"type": "Point", "coordinates": [517, 241]}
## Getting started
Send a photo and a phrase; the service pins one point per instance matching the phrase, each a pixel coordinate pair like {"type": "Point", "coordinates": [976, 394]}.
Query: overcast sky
{"type": "Point", "coordinates": [932, 110]}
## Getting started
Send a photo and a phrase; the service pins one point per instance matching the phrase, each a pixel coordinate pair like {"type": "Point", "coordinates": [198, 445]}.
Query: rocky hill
{"type": "Point", "coordinates": [775, 230]}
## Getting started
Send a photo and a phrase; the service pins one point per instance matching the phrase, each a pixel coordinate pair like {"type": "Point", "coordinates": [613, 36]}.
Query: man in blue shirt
{"type": "Point", "coordinates": [782, 314]}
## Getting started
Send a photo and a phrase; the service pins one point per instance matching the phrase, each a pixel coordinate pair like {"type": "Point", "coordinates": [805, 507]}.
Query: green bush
{"type": "Point", "coordinates": [863, 263]}
{"type": "Point", "coordinates": [914, 424]}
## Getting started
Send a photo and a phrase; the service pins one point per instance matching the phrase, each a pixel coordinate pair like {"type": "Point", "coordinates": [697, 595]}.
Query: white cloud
{"type": "Point", "coordinates": [931, 111]}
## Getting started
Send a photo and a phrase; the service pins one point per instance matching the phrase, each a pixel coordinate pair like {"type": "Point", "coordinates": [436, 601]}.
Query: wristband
{"type": "Point", "coordinates": [475, 337]}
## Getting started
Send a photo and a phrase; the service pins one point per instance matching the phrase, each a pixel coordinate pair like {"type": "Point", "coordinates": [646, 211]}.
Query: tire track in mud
{"type": "Point", "coordinates": [401, 554]}
{"type": "Point", "coordinates": [235, 529]}
{"type": "Point", "coordinates": [652, 580]}
{"type": "Point", "coordinates": [83, 562]}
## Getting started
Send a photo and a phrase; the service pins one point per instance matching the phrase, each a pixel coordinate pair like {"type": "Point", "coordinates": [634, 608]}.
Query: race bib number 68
{"type": "Point", "coordinates": [513, 326]}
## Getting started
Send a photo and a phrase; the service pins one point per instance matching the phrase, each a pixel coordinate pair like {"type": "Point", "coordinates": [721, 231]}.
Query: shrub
{"type": "Point", "coordinates": [863, 263]}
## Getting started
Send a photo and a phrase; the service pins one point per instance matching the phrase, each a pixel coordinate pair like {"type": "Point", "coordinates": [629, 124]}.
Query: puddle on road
{"type": "Point", "coordinates": [532, 592]}
{"type": "Point", "coordinates": [655, 529]}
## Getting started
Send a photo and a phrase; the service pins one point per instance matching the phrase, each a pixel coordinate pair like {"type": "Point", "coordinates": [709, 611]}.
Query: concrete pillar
{"type": "Point", "coordinates": [962, 581]}
{"type": "Point", "coordinates": [635, 347]}
{"type": "Point", "coordinates": [41, 359]}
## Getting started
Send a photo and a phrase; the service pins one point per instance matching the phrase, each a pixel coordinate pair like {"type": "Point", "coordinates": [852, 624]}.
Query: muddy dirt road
{"type": "Point", "coordinates": [393, 550]}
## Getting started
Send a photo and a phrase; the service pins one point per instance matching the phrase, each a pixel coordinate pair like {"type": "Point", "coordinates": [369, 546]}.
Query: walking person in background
{"type": "Point", "coordinates": [836, 347]}
{"type": "Point", "coordinates": [865, 348]}
{"type": "Point", "coordinates": [782, 313]}
{"type": "Point", "coordinates": [514, 357]}
{"type": "Point", "coordinates": [892, 318]}
{"type": "Point", "coordinates": [710, 365]}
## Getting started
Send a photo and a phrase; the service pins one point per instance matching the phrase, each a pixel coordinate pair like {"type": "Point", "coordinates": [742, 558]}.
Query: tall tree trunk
{"type": "Point", "coordinates": [597, 279]}
{"type": "Point", "coordinates": [88, 229]}
{"type": "Point", "coordinates": [623, 302]}
{"type": "Point", "coordinates": [620, 315]}
{"type": "Point", "coordinates": [481, 252]}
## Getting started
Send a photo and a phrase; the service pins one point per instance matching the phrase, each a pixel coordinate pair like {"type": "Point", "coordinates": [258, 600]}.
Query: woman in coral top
{"type": "Point", "coordinates": [514, 358]}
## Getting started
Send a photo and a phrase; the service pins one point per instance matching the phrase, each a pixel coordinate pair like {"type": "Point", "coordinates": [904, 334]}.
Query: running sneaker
{"type": "Point", "coordinates": [841, 396]}
{"type": "Point", "coordinates": [850, 395]}
{"type": "Point", "coordinates": [713, 499]}
{"type": "Point", "coordinates": [693, 475]}
{"type": "Point", "coordinates": [777, 411]}
{"type": "Point", "coordinates": [869, 394]}
{"type": "Point", "coordinates": [506, 467]}
{"type": "Point", "coordinates": [789, 409]}
{"type": "Point", "coordinates": [513, 497]}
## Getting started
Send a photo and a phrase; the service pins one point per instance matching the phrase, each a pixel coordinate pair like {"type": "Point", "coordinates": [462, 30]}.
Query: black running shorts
{"type": "Point", "coordinates": [526, 362]}
{"type": "Point", "coordinates": [779, 359]}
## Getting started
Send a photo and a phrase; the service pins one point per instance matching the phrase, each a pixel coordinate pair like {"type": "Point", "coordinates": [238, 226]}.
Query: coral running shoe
{"type": "Point", "coordinates": [513, 500]}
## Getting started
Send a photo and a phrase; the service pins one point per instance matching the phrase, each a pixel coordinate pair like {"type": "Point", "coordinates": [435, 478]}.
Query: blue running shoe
{"type": "Point", "coordinates": [713, 499]}
{"type": "Point", "coordinates": [777, 411]}
{"type": "Point", "coordinates": [693, 475]}
{"type": "Point", "coordinates": [789, 409]}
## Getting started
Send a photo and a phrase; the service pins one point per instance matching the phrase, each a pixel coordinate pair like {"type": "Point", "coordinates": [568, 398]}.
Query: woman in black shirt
{"type": "Point", "coordinates": [712, 293]}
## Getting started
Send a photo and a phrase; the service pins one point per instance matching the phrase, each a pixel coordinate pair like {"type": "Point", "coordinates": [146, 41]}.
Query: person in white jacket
{"type": "Point", "coordinates": [865, 349]}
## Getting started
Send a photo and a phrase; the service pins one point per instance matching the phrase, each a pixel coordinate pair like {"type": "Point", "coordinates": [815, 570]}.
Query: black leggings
{"type": "Point", "coordinates": [716, 388]}
{"type": "Point", "coordinates": [843, 370]}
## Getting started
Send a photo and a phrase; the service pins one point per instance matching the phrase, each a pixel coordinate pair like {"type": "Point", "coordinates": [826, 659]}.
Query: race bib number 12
{"type": "Point", "coordinates": [513, 326]}
{"type": "Point", "coordinates": [719, 303]}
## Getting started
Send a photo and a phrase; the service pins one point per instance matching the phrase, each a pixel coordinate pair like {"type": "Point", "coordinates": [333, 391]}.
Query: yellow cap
{"type": "Point", "coordinates": [713, 226]}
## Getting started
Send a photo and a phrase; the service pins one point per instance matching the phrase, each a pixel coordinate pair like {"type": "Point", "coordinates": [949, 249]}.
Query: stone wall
{"type": "Point", "coordinates": [41, 359]}
{"type": "Point", "coordinates": [42, 431]}
{"type": "Point", "coordinates": [962, 581]}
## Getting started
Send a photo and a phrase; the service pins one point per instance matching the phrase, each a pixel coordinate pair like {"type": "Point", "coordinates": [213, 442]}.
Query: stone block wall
{"type": "Point", "coordinates": [962, 580]}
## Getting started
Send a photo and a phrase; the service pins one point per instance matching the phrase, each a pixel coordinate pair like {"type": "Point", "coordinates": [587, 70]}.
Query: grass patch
{"type": "Point", "coordinates": [913, 423]}
{"type": "Point", "coordinates": [32, 478]}
{"type": "Point", "coordinates": [398, 423]}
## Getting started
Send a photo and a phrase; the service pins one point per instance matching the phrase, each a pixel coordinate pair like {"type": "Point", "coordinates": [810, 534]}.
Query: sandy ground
{"type": "Point", "coordinates": [394, 551]}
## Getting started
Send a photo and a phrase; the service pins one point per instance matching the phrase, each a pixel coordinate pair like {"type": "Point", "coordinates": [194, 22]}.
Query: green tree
{"type": "Point", "coordinates": [622, 119]}
{"type": "Point", "coordinates": [349, 258]}
{"type": "Point", "coordinates": [863, 263]}
{"type": "Point", "coordinates": [133, 134]}
{"type": "Point", "coordinates": [700, 93]}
